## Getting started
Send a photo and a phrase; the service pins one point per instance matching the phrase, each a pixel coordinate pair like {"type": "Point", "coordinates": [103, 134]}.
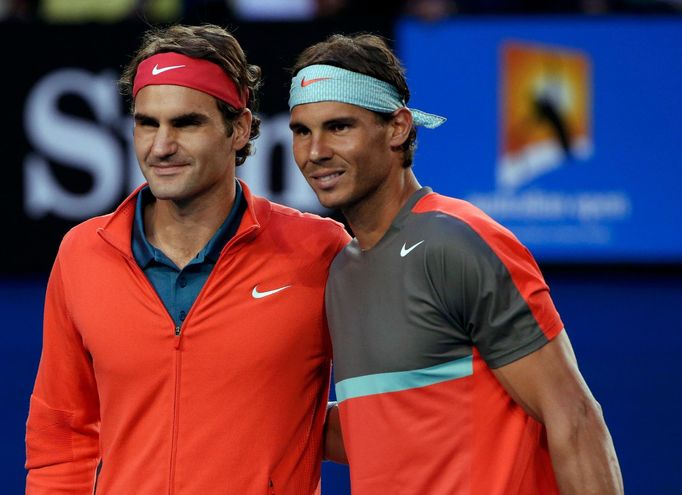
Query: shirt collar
{"type": "Point", "coordinates": [145, 253]}
{"type": "Point", "coordinates": [227, 230]}
{"type": "Point", "coordinates": [405, 211]}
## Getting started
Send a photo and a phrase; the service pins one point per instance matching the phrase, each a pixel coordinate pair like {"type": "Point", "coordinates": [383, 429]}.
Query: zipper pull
{"type": "Point", "coordinates": [178, 338]}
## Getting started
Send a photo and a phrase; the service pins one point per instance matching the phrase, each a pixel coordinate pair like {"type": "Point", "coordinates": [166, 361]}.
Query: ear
{"type": "Point", "coordinates": [241, 129]}
{"type": "Point", "coordinates": [401, 125]}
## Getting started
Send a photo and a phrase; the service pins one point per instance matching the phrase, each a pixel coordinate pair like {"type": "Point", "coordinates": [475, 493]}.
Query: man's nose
{"type": "Point", "coordinates": [320, 149]}
{"type": "Point", "coordinates": [165, 142]}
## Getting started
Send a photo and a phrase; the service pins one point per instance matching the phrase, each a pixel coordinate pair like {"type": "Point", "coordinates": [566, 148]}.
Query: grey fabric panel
{"type": "Point", "coordinates": [382, 317]}
{"type": "Point", "coordinates": [479, 292]}
{"type": "Point", "coordinates": [389, 312]}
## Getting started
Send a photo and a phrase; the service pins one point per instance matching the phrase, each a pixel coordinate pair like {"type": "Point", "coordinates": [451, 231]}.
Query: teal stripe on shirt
{"type": "Point", "coordinates": [396, 381]}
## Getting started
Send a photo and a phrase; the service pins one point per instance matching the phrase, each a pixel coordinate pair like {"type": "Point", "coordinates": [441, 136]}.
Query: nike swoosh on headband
{"type": "Point", "coordinates": [156, 71]}
{"type": "Point", "coordinates": [305, 83]}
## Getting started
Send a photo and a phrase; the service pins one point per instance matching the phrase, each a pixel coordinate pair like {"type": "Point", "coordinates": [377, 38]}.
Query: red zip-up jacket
{"type": "Point", "coordinates": [232, 402]}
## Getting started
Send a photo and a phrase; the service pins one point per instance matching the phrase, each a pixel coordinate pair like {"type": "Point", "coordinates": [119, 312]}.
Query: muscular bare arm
{"type": "Point", "coordinates": [549, 386]}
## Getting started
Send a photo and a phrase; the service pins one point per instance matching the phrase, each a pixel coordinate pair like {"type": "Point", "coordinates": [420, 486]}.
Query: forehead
{"type": "Point", "coordinates": [169, 100]}
{"type": "Point", "coordinates": [317, 113]}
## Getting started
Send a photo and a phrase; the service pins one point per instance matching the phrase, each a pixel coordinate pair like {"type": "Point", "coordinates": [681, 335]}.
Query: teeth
{"type": "Point", "coordinates": [326, 178]}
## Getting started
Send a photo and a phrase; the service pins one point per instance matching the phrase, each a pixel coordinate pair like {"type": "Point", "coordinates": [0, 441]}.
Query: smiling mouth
{"type": "Point", "coordinates": [327, 180]}
{"type": "Point", "coordinates": [328, 177]}
{"type": "Point", "coordinates": [167, 169]}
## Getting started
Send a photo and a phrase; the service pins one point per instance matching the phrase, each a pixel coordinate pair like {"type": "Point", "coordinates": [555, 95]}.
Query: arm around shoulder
{"type": "Point", "coordinates": [549, 386]}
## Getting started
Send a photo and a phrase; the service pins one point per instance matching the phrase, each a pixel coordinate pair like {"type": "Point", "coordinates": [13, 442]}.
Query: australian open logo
{"type": "Point", "coordinates": [545, 110]}
{"type": "Point", "coordinates": [546, 121]}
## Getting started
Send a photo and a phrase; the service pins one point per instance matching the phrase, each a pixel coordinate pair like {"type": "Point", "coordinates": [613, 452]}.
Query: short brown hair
{"type": "Point", "coordinates": [367, 54]}
{"type": "Point", "coordinates": [207, 42]}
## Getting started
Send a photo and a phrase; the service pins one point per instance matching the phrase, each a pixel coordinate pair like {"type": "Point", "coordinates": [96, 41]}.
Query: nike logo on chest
{"type": "Point", "coordinates": [404, 251]}
{"type": "Point", "coordinates": [256, 294]}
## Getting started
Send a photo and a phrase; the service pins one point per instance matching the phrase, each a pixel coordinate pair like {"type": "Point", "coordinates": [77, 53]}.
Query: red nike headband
{"type": "Point", "coordinates": [180, 70]}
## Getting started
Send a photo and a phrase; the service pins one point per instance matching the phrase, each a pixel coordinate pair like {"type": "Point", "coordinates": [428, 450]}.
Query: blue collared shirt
{"type": "Point", "coordinates": [178, 289]}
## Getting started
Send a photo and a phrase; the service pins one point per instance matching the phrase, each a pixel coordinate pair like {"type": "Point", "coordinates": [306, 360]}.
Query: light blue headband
{"type": "Point", "coordinates": [317, 83]}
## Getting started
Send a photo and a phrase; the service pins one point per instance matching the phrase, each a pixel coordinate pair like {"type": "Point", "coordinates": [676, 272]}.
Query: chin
{"type": "Point", "coordinates": [337, 197]}
{"type": "Point", "coordinates": [331, 202]}
{"type": "Point", "coordinates": [166, 193]}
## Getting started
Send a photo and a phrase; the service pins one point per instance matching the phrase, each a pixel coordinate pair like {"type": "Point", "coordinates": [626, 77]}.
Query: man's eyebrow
{"type": "Point", "coordinates": [340, 120]}
{"type": "Point", "coordinates": [296, 125]}
{"type": "Point", "coordinates": [139, 117]}
{"type": "Point", "coordinates": [190, 118]}
{"type": "Point", "coordinates": [327, 123]}
{"type": "Point", "coordinates": [183, 119]}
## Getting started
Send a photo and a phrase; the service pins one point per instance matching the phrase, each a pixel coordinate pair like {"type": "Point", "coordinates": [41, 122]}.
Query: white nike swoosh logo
{"type": "Point", "coordinates": [156, 71]}
{"type": "Point", "coordinates": [405, 251]}
{"type": "Point", "coordinates": [259, 295]}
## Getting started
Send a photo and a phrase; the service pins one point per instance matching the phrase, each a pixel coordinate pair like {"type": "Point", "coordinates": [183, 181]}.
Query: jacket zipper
{"type": "Point", "coordinates": [178, 365]}
{"type": "Point", "coordinates": [178, 360]}
{"type": "Point", "coordinates": [176, 406]}
{"type": "Point", "coordinates": [177, 330]}
{"type": "Point", "coordinates": [271, 487]}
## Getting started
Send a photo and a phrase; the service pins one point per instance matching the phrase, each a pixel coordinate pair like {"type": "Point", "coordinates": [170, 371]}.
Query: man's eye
{"type": "Point", "coordinates": [187, 123]}
{"type": "Point", "coordinates": [339, 127]}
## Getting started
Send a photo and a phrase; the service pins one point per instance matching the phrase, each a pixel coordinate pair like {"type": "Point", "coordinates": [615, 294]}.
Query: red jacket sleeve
{"type": "Point", "coordinates": [62, 431]}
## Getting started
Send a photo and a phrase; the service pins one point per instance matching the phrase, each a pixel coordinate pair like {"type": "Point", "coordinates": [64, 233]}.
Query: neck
{"type": "Point", "coordinates": [370, 218]}
{"type": "Point", "coordinates": [182, 229]}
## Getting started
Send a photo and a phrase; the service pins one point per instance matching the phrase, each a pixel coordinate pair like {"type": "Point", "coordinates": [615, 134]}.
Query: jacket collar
{"type": "Point", "coordinates": [118, 229]}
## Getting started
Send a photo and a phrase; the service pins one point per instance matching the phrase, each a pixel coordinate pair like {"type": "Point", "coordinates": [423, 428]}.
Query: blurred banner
{"type": "Point", "coordinates": [69, 146]}
{"type": "Point", "coordinates": [567, 131]}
